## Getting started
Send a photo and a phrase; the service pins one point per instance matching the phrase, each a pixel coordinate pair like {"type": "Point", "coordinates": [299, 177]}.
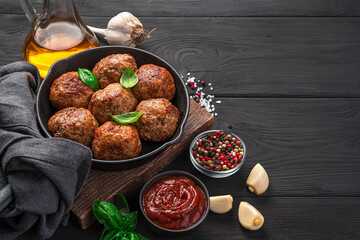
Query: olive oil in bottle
{"type": "Point", "coordinates": [60, 39]}
{"type": "Point", "coordinates": [56, 33]}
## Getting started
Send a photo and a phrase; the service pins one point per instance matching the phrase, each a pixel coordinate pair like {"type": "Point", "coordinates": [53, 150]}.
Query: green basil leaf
{"type": "Point", "coordinates": [132, 236]}
{"type": "Point", "coordinates": [127, 118]}
{"type": "Point", "coordinates": [88, 78]}
{"type": "Point", "coordinates": [122, 205]}
{"type": "Point", "coordinates": [111, 235]}
{"type": "Point", "coordinates": [141, 237]}
{"type": "Point", "coordinates": [107, 214]}
{"type": "Point", "coordinates": [129, 222]}
{"type": "Point", "coordinates": [129, 78]}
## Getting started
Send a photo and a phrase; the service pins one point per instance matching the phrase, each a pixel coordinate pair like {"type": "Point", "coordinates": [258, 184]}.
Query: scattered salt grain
{"type": "Point", "coordinates": [201, 97]}
{"type": "Point", "coordinates": [218, 102]}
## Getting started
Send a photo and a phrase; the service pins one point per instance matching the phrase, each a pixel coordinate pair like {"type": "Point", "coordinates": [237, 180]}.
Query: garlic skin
{"type": "Point", "coordinates": [249, 217]}
{"type": "Point", "coordinates": [221, 204]}
{"type": "Point", "coordinates": [258, 180]}
{"type": "Point", "coordinates": [124, 29]}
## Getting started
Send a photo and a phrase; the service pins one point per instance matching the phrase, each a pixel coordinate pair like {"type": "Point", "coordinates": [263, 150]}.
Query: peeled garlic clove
{"type": "Point", "coordinates": [221, 204]}
{"type": "Point", "coordinates": [258, 180]}
{"type": "Point", "coordinates": [249, 217]}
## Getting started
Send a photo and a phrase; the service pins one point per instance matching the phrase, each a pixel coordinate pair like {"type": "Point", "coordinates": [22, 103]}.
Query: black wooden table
{"type": "Point", "coordinates": [287, 73]}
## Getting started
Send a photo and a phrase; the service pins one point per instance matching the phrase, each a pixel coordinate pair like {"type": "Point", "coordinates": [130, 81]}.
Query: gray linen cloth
{"type": "Point", "coordinates": [39, 177]}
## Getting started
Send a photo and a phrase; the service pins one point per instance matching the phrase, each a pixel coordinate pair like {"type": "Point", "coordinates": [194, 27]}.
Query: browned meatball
{"type": "Point", "coordinates": [113, 99]}
{"type": "Point", "coordinates": [114, 141]}
{"type": "Point", "coordinates": [154, 82]}
{"type": "Point", "coordinates": [77, 124]}
{"type": "Point", "coordinates": [69, 91]}
{"type": "Point", "coordinates": [159, 120]}
{"type": "Point", "coordinates": [110, 68]}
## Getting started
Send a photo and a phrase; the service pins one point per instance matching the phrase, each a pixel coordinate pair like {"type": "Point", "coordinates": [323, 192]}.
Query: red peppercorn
{"type": "Point", "coordinates": [229, 145]}
{"type": "Point", "coordinates": [200, 144]}
{"type": "Point", "coordinates": [192, 87]}
{"type": "Point", "coordinates": [235, 164]}
{"type": "Point", "coordinates": [194, 152]}
{"type": "Point", "coordinates": [229, 164]}
{"type": "Point", "coordinates": [220, 166]}
{"type": "Point", "coordinates": [198, 94]}
{"type": "Point", "coordinates": [214, 149]}
{"type": "Point", "coordinates": [237, 154]}
{"type": "Point", "coordinates": [211, 165]}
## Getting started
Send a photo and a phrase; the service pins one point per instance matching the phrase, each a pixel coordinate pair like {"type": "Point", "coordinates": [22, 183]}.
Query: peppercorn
{"type": "Point", "coordinates": [218, 152]}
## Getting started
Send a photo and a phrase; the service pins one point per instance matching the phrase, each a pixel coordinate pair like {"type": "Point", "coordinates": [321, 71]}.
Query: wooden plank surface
{"type": "Point", "coordinates": [309, 146]}
{"type": "Point", "coordinates": [181, 8]}
{"type": "Point", "coordinates": [302, 57]}
{"type": "Point", "coordinates": [105, 185]}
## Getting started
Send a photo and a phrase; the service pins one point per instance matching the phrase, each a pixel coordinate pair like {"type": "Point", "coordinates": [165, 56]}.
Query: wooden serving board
{"type": "Point", "coordinates": [104, 185]}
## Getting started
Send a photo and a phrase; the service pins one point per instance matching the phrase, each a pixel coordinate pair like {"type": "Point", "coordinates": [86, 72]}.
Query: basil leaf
{"type": "Point", "coordinates": [129, 78]}
{"type": "Point", "coordinates": [132, 236]}
{"type": "Point", "coordinates": [107, 214]}
{"type": "Point", "coordinates": [122, 205]}
{"type": "Point", "coordinates": [88, 78]}
{"type": "Point", "coordinates": [127, 118]}
{"type": "Point", "coordinates": [129, 222]}
{"type": "Point", "coordinates": [111, 235]}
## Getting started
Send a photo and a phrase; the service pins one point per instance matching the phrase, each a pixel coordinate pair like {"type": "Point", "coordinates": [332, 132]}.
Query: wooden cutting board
{"type": "Point", "coordinates": [104, 185]}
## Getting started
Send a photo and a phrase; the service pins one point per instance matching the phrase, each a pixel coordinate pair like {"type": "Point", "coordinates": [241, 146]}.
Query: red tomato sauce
{"type": "Point", "coordinates": [174, 203]}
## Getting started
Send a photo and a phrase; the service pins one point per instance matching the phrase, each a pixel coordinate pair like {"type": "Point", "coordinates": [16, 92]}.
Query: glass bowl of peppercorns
{"type": "Point", "coordinates": [217, 153]}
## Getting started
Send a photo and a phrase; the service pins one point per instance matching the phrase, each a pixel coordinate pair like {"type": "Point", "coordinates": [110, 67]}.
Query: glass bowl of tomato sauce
{"type": "Point", "coordinates": [174, 203]}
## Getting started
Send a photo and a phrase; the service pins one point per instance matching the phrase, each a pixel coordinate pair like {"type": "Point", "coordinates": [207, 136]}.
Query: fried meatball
{"type": "Point", "coordinates": [69, 91]}
{"type": "Point", "coordinates": [114, 141]}
{"type": "Point", "coordinates": [113, 99]}
{"type": "Point", "coordinates": [159, 120]}
{"type": "Point", "coordinates": [109, 69]}
{"type": "Point", "coordinates": [154, 82]}
{"type": "Point", "coordinates": [77, 124]}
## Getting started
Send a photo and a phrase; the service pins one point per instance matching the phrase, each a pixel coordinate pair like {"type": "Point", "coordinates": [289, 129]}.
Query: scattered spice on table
{"type": "Point", "coordinates": [218, 152]}
{"type": "Point", "coordinates": [197, 92]}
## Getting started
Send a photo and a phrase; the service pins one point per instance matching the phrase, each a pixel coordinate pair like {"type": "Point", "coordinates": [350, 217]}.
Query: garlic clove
{"type": "Point", "coordinates": [249, 217]}
{"type": "Point", "coordinates": [221, 204]}
{"type": "Point", "coordinates": [258, 180]}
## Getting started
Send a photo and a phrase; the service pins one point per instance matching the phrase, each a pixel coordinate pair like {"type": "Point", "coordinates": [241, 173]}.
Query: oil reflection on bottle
{"type": "Point", "coordinates": [56, 33]}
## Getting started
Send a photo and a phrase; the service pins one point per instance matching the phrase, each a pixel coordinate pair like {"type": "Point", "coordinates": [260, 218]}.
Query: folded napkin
{"type": "Point", "coordinates": [39, 177]}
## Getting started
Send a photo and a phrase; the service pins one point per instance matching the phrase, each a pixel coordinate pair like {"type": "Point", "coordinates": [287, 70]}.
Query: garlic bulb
{"type": "Point", "coordinates": [123, 29]}
{"type": "Point", "coordinates": [249, 217]}
{"type": "Point", "coordinates": [221, 204]}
